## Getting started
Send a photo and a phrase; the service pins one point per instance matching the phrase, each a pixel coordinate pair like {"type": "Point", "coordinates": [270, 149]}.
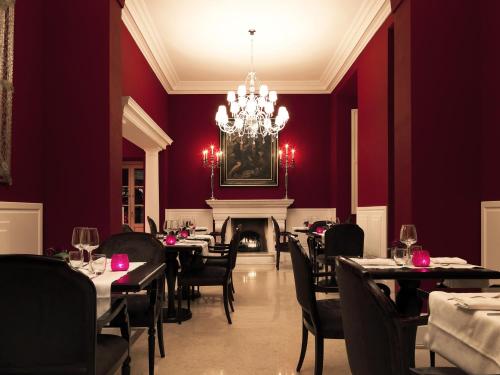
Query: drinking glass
{"type": "Point", "coordinates": [408, 235]}
{"type": "Point", "coordinates": [98, 263]}
{"type": "Point", "coordinates": [75, 259]}
{"type": "Point", "coordinates": [399, 255]}
{"type": "Point", "coordinates": [76, 238]}
{"type": "Point", "coordinates": [90, 242]}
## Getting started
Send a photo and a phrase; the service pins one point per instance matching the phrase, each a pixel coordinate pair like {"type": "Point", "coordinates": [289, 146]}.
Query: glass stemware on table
{"type": "Point", "coordinates": [87, 239]}
{"type": "Point", "coordinates": [408, 236]}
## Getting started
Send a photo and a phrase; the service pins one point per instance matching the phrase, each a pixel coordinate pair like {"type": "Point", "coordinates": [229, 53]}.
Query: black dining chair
{"type": "Point", "coordinates": [375, 333]}
{"type": "Point", "coordinates": [152, 226]}
{"type": "Point", "coordinates": [145, 310]}
{"type": "Point", "coordinates": [281, 241]}
{"type": "Point", "coordinates": [219, 274]}
{"type": "Point", "coordinates": [222, 234]}
{"type": "Point", "coordinates": [341, 239]}
{"type": "Point", "coordinates": [48, 315]}
{"type": "Point", "coordinates": [320, 317]}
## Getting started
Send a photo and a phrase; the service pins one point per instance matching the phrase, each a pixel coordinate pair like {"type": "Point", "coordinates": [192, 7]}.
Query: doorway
{"type": "Point", "coordinates": [133, 195]}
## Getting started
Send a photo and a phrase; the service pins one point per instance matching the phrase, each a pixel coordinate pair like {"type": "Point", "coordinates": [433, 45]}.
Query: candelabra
{"type": "Point", "coordinates": [287, 161]}
{"type": "Point", "coordinates": [211, 161]}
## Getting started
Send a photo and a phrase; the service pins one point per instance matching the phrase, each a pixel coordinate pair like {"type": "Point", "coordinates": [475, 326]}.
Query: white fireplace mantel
{"type": "Point", "coordinates": [249, 209]}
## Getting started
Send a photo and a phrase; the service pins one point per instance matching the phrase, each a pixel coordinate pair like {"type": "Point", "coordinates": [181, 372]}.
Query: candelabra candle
{"type": "Point", "coordinates": [211, 162]}
{"type": "Point", "coordinates": [287, 161]}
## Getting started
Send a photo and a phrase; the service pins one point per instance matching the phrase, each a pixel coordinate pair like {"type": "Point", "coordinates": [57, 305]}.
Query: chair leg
{"type": "Point", "coordinates": [126, 366]}
{"type": "Point", "coordinates": [303, 349]}
{"type": "Point", "coordinates": [432, 356]}
{"type": "Point", "coordinates": [151, 349]}
{"type": "Point", "coordinates": [190, 291]}
{"type": "Point", "coordinates": [159, 332]}
{"type": "Point", "coordinates": [318, 355]}
{"type": "Point", "coordinates": [179, 304]}
{"type": "Point", "coordinates": [226, 299]}
{"type": "Point", "coordinates": [230, 300]}
{"type": "Point", "coordinates": [277, 259]}
{"type": "Point", "coordinates": [232, 285]}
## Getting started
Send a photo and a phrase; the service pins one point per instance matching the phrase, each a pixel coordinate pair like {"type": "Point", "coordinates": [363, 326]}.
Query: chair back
{"type": "Point", "coordinates": [48, 317]}
{"type": "Point", "coordinates": [152, 226]}
{"type": "Point", "coordinates": [304, 282]}
{"type": "Point", "coordinates": [276, 230]}
{"type": "Point", "coordinates": [316, 224]}
{"type": "Point", "coordinates": [126, 228]}
{"type": "Point", "coordinates": [223, 230]}
{"type": "Point", "coordinates": [372, 337]}
{"type": "Point", "coordinates": [233, 247]}
{"type": "Point", "coordinates": [140, 247]}
{"type": "Point", "coordinates": [344, 239]}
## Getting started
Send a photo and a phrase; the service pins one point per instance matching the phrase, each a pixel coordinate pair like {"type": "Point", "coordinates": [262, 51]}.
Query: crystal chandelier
{"type": "Point", "coordinates": [252, 113]}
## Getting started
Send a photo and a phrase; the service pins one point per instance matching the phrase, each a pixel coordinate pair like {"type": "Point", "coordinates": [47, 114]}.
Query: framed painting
{"type": "Point", "coordinates": [248, 162]}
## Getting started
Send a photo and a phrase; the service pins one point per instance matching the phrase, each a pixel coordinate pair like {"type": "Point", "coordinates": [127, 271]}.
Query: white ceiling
{"type": "Point", "coordinates": [301, 46]}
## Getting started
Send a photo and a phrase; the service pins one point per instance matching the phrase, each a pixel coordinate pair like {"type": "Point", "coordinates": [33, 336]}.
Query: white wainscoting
{"type": "Point", "coordinates": [21, 228]}
{"type": "Point", "coordinates": [490, 234]}
{"type": "Point", "coordinates": [203, 216]}
{"type": "Point", "coordinates": [373, 221]}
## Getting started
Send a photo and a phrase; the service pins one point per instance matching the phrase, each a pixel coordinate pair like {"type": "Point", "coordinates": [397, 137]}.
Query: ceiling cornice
{"type": "Point", "coordinates": [368, 20]}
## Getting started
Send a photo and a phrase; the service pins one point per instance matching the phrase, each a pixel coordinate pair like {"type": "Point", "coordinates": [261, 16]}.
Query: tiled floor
{"type": "Point", "coordinates": [264, 338]}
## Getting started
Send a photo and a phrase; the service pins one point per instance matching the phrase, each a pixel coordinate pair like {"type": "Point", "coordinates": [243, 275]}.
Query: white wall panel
{"type": "Point", "coordinates": [21, 228]}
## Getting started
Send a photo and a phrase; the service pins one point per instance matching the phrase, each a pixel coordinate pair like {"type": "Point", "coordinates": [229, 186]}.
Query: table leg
{"type": "Point", "coordinates": [409, 303]}
{"type": "Point", "coordinates": [170, 312]}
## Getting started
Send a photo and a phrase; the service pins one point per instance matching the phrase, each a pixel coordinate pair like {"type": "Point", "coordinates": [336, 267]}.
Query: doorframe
{"type": "Point", "coordinates": [140, 129]}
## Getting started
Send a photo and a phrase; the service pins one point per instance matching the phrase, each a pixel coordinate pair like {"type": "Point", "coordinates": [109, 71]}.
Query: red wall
{"type": "Point", "coordinates": [140, 82]}
{"type": "Point", "coordinates": [82, 129]}
{"type": "Point", "coordinates": [365, 86]}
{"type": "Point", "coordinates": [192, 127]}
{"type": "Point", "coordinates": [27, 147]}
{"type": "Point", "coordinates": [490, 83]}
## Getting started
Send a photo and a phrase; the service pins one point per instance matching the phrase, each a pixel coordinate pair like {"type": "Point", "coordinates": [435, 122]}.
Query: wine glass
{"type": "Point", "coordinates": [408, 235]}
{"type": "Point", "coordinates": [90, 242]}
{"type": "Point", "coordinates": [76, 238]}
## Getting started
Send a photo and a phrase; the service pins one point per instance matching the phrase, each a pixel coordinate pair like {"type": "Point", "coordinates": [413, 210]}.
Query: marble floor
{"type": "Point", "coordinates": [264, 338]}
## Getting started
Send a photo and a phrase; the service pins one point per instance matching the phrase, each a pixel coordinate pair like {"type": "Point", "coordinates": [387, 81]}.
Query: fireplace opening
{"type": "Point", "coordinates": [253, 234]}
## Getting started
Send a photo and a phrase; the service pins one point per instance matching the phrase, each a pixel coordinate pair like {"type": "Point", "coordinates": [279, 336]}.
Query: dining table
{"type": "Point", "coordinates": [464, 328]}
{"type": "Point", "coordinates": [174, 259]}
{"type": "Point", "coordinates": [133, 281]}
{"type": "Point", "coordinates": [409, 298]}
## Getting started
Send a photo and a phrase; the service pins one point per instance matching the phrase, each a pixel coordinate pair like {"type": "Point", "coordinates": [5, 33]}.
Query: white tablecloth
{"type": "Point", "coordinates": [389, 263]}
{"type": "Point", "coordinates": [103, 284]}
{"type": "Point", "coordinates": [203, 237]}
{"type": "Point", "coordinates": [468, 339]}
{"type": "Point", "coordinates": [201, 243]}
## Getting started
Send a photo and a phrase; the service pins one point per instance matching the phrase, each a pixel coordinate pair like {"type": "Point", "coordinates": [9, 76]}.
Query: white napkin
{"type": "Point", "coordinates": [483, 301]}
{"type": "Point", "coordinates": [374, 261]}
{"type": "Point", "coordinates": [203, 237]}
{"type": "Point", "coordinates": [448, 260]}
{"type": "Point", "coordinates": [201, 243]}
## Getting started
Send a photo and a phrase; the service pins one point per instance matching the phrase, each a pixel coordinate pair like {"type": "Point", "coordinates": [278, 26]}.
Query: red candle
{"type": "Point", "coordinates": [171, 239]}
{"type": "Point", "coordinates": [421, 258]}
{"type": "Point", "coordinates": [119, 262]}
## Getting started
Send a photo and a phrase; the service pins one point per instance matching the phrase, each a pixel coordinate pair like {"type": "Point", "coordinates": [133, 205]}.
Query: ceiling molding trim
{"type": "Point", "coordinates": [369, 19]}
{"type": "Point", "coordinates": [140, 129]}
{"type": "Point", "coordinates": [138, 22]}
{"type": "Point", "coordinates": [222, 87]}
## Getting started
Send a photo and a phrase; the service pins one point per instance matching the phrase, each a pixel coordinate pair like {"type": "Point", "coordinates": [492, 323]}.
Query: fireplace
{"type": "Point", "coordinates": [253, 234]}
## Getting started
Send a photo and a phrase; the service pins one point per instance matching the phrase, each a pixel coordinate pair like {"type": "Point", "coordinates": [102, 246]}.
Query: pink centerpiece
{"type": "Point", "coordinates": [320, 230]}
{"type": "Point", "coordinates": [421, 258]}
{"type": "Point", "coordinates": [171, 239]}
{"type": "Point", "coordinates": [119, 262]}
{"type": "Point", "coordinates": [184, 233]}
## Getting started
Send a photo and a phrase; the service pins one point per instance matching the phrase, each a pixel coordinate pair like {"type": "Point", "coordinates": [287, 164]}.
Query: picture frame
{"type": "Point", "coordinates": [248, 162]}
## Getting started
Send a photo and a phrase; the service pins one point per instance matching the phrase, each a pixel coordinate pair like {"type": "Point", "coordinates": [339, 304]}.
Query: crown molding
{"type": "Point", "coordinates": [368, 20]}
{"type": "Point", "coordinates": [370, 17]}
